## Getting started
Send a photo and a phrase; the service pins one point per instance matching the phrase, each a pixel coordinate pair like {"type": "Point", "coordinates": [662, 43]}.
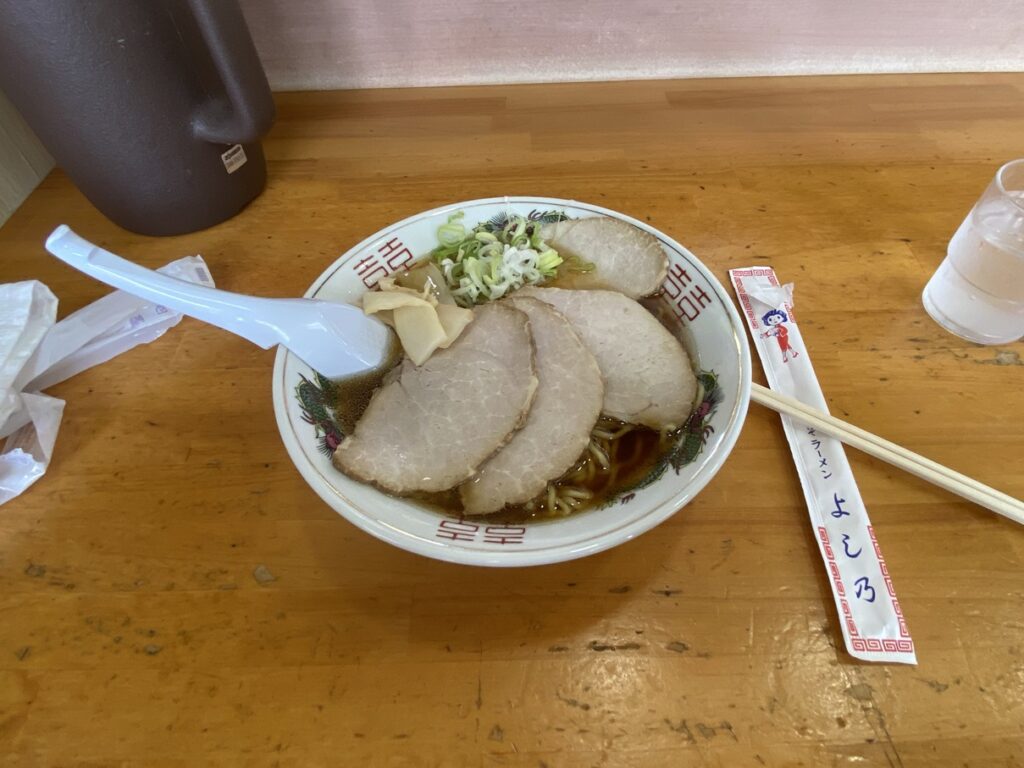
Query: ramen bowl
{"type": "Point", "coordinates": [692, 303]}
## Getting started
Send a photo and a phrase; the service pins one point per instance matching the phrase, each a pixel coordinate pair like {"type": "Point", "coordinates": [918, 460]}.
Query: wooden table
{"type": "Point", "coordinates": [139, 625]}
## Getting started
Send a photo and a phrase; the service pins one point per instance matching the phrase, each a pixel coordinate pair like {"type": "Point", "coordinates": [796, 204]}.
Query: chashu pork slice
{"type": "Point", "coordinates": [625, 258]}
{"type": "Point", "coordinates": [648, 378]}
{"type": "Point", "coordinates": [431, 426]}
{"type": "Point", "coordinates": [570, 392]}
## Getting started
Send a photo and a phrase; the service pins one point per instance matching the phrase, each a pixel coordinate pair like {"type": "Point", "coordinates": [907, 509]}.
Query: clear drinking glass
{"type": "Point", "coordinates": [978, 290]}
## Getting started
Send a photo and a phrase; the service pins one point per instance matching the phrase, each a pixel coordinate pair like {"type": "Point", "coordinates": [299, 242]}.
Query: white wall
{"type": "Point", "coordinates": [23, 161]}
{"type": "Point", "coordinates": [311, 44]}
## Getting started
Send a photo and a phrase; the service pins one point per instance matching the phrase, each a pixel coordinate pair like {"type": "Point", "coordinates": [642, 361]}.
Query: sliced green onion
{"type": "Point", "coordinates": [484, 263]}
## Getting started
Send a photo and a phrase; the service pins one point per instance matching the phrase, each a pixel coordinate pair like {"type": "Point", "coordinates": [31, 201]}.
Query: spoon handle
{"type": "Point", "coordinates": [246, 316]}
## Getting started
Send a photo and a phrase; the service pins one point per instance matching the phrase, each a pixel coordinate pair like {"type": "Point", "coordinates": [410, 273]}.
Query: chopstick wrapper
{"type": "Point", "coordinates": [36, 352]}
{"type": "Point", "coordinates": [870, 616]}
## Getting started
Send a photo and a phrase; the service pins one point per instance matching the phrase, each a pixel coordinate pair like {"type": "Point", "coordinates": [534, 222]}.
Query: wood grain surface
{"type": "Point", "coordinates": [173, 594]}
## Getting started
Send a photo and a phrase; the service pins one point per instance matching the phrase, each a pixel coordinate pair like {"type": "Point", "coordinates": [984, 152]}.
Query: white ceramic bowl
{"type": "Point", "coordinates": [706, 322]}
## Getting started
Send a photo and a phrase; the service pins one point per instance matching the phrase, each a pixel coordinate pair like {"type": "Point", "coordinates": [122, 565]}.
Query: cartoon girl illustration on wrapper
{"type": "Point", "coordinates": [775, 320]}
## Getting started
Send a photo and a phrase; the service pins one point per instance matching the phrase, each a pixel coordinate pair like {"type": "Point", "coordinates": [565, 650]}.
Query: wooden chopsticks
{"type": "Point", "coordinates": [898, 456]}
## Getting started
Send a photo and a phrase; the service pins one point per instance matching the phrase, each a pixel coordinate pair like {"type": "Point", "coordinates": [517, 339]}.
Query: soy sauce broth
{"type": "Point", "coordinates": [635, 455]}
{"type": "Point", "coordinates": [348, 397]}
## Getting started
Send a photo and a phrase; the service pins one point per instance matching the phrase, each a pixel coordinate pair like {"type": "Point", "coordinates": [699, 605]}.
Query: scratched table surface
{"type": "Point", "coordinates": [173, 594]}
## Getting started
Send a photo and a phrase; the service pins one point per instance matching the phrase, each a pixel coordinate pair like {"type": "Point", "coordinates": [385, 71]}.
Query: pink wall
{"type": "Point", "coordinates": [379, 43]}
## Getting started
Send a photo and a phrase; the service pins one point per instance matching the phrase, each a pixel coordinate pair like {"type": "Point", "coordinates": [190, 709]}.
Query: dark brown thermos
{"type": "Point", "coordinates": [154, 108]}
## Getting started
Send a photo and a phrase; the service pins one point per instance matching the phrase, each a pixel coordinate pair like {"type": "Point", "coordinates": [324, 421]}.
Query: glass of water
{"type": "Point", "coordinates": [978, 290]}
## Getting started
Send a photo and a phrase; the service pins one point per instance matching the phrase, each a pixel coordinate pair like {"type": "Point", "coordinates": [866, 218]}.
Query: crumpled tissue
{"type": "Point", "coordinates": [36, 352]}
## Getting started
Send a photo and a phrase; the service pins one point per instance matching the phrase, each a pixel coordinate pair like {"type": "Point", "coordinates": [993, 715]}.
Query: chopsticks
{"type": "Point", "coordinates": [898, 456]}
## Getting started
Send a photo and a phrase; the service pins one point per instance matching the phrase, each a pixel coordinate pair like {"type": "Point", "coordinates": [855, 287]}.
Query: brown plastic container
{"type": "Point", "coordinates": [154, 108]}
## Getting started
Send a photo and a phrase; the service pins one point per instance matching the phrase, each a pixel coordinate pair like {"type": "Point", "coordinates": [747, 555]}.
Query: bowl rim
{"type": "Point", "coordinates": [518, 558]}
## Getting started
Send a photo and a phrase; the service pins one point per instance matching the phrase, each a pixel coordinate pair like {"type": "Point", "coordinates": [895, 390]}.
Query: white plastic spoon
{"type": "Point", "coordinates": [334, 339]}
